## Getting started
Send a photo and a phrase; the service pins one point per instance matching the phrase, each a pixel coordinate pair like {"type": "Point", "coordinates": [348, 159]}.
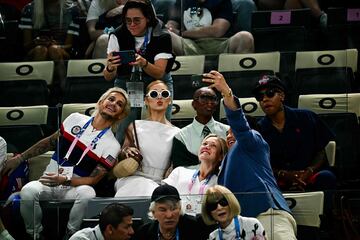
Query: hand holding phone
{"type": "Point", "coordinates": [126, 56]}
{"type": "Point", "coordinates": [196, 81]}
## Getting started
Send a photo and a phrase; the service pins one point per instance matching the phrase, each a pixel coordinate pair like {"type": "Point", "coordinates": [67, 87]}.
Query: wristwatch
{"type": "Point", "coordinates": [67, 182]}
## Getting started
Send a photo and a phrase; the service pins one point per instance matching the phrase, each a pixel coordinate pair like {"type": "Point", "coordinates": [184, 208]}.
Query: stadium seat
{"type": "Point", "coordinates": [341, 113]}
{"type": "Point", "coordinates": [327, 103]}
{"type": "Point", "coordinates": [84, 108]}
{"type": "Point", "coordinates": [281, 30]}
{"type": "Point", "coordinates": [249, 105]}
{"type": "Point", "coordinates": [22, 127]}
{"type": "Point", "coordinates": [182, 113]}
{"type": "Point", "coordinates": [242, 71]}
{"type": "Point", "coordinates": [306, 207]}
{"type": "Point", "coordinates": [183, 68]}
{"type": "Point", "coordinates": [347, 137]}
{"type": "Point", "coordinates": [343, 28]}
{"type": "Point", "coordinates": [324, 72]}
{"type": "Point", "coordinates": [25, 83]}
{"type": "Point", "coordinates": [85, 82]}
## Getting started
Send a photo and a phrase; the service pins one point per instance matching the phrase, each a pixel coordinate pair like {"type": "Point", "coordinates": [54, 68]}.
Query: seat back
{"type": "Point", "coordinates": [325, 72]}
{"type": "Point", "coordinates": [85, 82]}
{"type": "Point", "coordinates": [22, 127]}
{"type": "Point", "coordinates": [249, 106]}
{"type": "Point", "coordinates": [242, 71]}
{"type": "Point", "coordinates": [25, 83]}
{"type": "Point", "coordinates": [84, 108]}
{"type": "Point", "coordinates": [183, 68]}
{"type": "Point", "coordinates": [331, 103]}
{"type": "Point", "coordinates": [306, 207]}
{"type": "Point", "coordinates": [281, 30]}
{"type": "Point", "coordinates": [182, 113]}
{"type": "Point", "coordinates": [347, 137]}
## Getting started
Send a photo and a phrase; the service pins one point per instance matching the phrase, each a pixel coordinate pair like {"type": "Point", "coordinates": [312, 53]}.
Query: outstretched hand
{"type": "Point", "coordinates": [10, 165]}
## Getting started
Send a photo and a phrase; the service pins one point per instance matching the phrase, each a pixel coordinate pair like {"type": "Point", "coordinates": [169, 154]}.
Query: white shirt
{"type": "Point", "coordinates": [181, 179]}
{"type": "Point", "coordinates": [191, 135]}
{"type": "Point", "coordinates": [88, 234]}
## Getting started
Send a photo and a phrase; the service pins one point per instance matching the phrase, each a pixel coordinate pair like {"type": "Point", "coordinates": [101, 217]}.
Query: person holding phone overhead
{"type": "Point", "coordinates": [144, 33]}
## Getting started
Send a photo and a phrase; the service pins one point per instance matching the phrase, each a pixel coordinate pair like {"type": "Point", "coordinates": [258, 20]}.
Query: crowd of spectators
{"type": "Point", "coordinates": [284, 151]}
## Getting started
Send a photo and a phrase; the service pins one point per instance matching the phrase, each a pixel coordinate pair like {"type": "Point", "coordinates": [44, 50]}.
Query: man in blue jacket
{"type": "Point", "coordinates": [246, 169]}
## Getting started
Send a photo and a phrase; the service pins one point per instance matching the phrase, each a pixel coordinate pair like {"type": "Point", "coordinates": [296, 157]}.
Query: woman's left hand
{"type": "Point", "coordinates": [139, 61]}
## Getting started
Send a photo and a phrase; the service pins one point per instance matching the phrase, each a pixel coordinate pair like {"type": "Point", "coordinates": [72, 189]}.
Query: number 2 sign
{"type": "Point", "coordinates": [281, 17]}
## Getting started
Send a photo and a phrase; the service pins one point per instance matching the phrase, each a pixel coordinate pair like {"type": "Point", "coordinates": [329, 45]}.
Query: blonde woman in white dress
{"type": "Point", "coordinates": [155, 135]}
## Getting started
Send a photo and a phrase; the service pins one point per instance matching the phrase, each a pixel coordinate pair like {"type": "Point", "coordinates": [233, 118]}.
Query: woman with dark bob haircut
{"type": "Point", "coordinates": [144, 33]}
{"type": "Point", "coordinates": [221, 207]}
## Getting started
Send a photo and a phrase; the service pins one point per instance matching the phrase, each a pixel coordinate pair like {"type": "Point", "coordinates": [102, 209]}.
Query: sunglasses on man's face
{"type": "Point", "coordinates": [268, 92]}
{"type": "Point", "coordinates": [211, 206]}
{"type": "Point", "coordinates": [155, 94]}
{"type": "Point", "coordinates": [206, 98]}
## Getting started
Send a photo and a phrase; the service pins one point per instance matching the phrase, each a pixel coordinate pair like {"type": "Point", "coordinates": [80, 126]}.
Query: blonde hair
{"type": "Point", "coordinates": [148, 89]}
{"type": "Point", "coordinates": [214, 194]}
{"type": "Point", "coordinates": [223, 146]}
{"type": "Point", "coordinates": [125, 111]}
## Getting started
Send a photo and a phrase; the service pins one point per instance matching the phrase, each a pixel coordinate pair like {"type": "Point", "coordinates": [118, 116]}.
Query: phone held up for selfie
{"type": "Point", "coordinates": [196, 81]}
{"type": "Point", "coordinates": [126, 56]}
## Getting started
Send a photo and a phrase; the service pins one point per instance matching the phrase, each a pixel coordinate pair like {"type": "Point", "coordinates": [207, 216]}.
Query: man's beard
{"type": "Point", "coordinates": [107, 117]}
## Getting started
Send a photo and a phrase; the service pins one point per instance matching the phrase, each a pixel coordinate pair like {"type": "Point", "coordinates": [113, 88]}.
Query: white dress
{"type": "Point", "coordinates": [191, 192]}
{"type": "Point", "coordinates": [155, 141]}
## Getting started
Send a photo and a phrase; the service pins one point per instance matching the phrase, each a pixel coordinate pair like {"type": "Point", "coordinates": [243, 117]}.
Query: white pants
{"type": "Point", "coordinates": [278, 224]}
{"type": "Point", "coordinates": [34, 191]}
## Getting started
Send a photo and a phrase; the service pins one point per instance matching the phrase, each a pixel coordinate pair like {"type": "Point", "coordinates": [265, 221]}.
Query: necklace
{"type": "Point", "coordinates": [168, 236]}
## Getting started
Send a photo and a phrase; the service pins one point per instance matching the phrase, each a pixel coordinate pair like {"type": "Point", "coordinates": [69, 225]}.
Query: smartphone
{"type": "Point", "coordinates": [126, 56]}
{"type": "Point", "coordinates": [196, 81]}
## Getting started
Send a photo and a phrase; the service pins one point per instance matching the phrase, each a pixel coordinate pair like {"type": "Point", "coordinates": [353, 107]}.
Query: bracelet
{"type": "Point", "coordinates": [67, 182]}
{"type": "Point", "coordinates": [145, 65]}
{"type": "Point", "coordinates": [108, 69]}
{"type": "Point", "coordinates": [228, 94]}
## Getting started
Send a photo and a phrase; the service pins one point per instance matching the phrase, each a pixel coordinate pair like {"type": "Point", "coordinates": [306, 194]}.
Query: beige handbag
{"type": "Point", "coordinates": [128, 166]}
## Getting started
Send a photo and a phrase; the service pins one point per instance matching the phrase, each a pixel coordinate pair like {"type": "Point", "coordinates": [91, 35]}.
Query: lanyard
{"type": "Point", "coordinates": [203, 185]}
{"type": "Point", "coordinates": [142, 49]}
{"type": "Point", "coordinates": [90, 146]}
{"type": "Point", "coordinates": [176, 234]}
{"type": "Point", "coordinates": [237, 229]}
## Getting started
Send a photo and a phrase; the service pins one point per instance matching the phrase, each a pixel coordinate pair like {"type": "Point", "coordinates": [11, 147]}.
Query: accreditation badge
{"type": "Point", "coordinates": [135, 90]}
{"type": "Point", "coordinates": [192, 205]}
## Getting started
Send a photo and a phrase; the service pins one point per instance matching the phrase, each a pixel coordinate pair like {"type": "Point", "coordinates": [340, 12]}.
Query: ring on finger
{"type": "Point", "coordinates": [212, 80]}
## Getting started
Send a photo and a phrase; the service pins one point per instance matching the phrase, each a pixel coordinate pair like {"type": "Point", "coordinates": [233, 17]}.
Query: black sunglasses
{"type": "Point", "coordinates": [206, 98]}
{"type": "Point", "coordinates": [268, 92]}
{"type": "Point", "coordinates": [155, 94]}
{"type": "Point", "coordinates": [211, 206]}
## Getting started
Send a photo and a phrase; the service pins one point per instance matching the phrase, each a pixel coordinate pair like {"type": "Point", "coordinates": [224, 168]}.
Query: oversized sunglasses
{"type": "Point", "coordinates": [211, 206]}
{"type": "Point", "coordinates": [135, 20]}
{"type": "Point", "coordinates": [206, 98]}
{"type": "Point", "coordinates": [268, 92]}
{"type": "Point", "coordinates": [155, 94]}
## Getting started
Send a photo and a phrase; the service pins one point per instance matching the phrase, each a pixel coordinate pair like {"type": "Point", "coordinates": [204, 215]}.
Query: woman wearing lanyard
{"type": "Point", "coordinates": [221, 206]}
{"type": "Point", "coordinates": [192, 183]}
{"type": "Point", "coordinates": [143, 32]}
